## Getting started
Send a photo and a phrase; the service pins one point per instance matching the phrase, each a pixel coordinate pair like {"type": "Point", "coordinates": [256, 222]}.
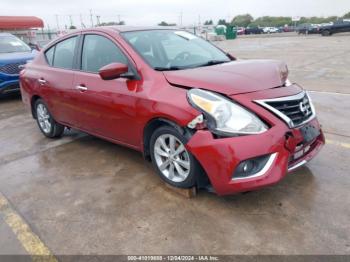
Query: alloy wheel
{"type": "Point", "coordinates": [172, 158]}
{"type": "Point", "coordinates": [43, 118]}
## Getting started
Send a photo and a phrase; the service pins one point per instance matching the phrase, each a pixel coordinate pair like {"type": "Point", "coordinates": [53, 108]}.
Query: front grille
{"type": "Point", "coordinates": [11, 69]}
{"type": "Point", "coordinates": [295, 110]}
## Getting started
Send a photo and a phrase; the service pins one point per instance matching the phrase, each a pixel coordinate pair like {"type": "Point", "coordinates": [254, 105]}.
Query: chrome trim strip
{"type": "Point", "coordinates": [262, 171]}
{"type": "Point", "coordinates": [285, 118]}
{"type": "Point", "coordinates": [301, 163]}
{"type": "Point", "coordinates": [286, 98]}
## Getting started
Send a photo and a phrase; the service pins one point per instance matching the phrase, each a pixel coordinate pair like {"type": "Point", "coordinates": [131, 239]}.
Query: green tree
{"type": "Point", "coordinates": [208, 22]}
{"type": "Point", "coordinates": [242, 20]}
{"type": "Point", "coordinates": [272, 21]}
{"type": "Point", "coordinates": [222, 22]}
{"type": "Point", "coordinates": [72, 27]}
{"type": "Point", "coordinates": [112, 23]}
{"type": "Point", "coordinates": [317, 20]}
{"type": "Point", "coordinates": [163, 23]}
{"type": "Point", "coordinates": [347, 16]}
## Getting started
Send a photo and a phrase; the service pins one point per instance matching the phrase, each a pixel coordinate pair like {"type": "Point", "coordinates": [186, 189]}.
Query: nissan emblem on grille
{"type": "Point", "coordinates": [303, 108]}
{"type": "Point", "coordinates": [294, 110]}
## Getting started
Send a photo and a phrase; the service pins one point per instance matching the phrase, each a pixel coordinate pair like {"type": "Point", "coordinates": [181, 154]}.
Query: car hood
{"type": "Point", "coordinates": [236, 77]}
{"type": "Point", "coordinates": [6, 58]}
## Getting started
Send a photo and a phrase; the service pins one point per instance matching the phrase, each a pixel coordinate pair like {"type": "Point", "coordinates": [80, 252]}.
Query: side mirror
{"type": "Point", "coordinates": [113, 71]}
{"type": "Point", "coordinates": [34, 47]}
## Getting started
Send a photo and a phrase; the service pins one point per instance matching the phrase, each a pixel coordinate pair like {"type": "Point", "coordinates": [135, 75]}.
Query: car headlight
{"type": "Point", "coordinates": [224, 116]}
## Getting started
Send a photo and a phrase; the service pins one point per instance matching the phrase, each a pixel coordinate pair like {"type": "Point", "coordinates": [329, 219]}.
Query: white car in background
{"type": "Point", "coordinates": [269, 30]}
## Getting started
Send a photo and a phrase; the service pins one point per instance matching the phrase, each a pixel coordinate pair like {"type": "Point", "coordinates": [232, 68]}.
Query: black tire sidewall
{"type": "Point", "coordinates": [326, 33]}
{"type": "Point", "coordinates": [190, 181]}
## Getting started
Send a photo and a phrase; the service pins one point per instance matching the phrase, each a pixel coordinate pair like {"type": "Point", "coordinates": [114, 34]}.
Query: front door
{"type": "Point", "coordinates": [106, 108]}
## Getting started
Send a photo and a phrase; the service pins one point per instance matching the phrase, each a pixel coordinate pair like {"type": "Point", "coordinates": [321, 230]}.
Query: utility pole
{"type": "Point", "coordinates": [119, 19]}
{"type": "Point", "coordinates": [91, 20]}
{"type": "Point", "coordinates": [81, 21]}
{"type": "Point", "coordinates": [48, 30]}
{"type": "Point", "coordinates": [57, 23]}
{"type": "Point", "coordinates": [70, 20]}
{"type": "Point", "coordinates": [181, 19]}
{"type": "Point", "coordinates": [98, 20]}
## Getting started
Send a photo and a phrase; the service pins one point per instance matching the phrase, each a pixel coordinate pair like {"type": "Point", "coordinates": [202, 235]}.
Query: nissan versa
{"type": "Point", "coordinates": [203, 117]}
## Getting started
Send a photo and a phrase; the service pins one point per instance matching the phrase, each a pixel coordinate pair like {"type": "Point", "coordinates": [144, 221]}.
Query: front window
{"type": "Point", "coordinates": [174, 50]}
{"type": "Point", "coordinates": [99, 51]}
{"type": "Point", "coordinates": [11, 44]}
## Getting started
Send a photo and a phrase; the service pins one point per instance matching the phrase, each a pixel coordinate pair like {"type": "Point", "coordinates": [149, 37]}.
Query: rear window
{"type": "Point", "coordinates": [49, 55]}
{"type": "Point", "coordinates": [62, 54]}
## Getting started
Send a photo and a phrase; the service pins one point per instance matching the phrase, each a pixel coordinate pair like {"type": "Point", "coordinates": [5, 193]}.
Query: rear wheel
{"type": "Point", "coordinates": [326, 33]}
{"type": "Point", "coordinates": [173, 162]}
{"type": "Point", "coordinates": [47, 124]}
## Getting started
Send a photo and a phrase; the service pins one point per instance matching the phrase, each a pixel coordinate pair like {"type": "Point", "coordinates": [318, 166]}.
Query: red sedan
{"type": "Point", "coordinates": [203, 117]}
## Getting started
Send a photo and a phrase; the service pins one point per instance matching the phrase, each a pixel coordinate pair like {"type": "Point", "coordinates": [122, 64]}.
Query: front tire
{"type": "Point", "coordinates": [47, 124]}
{"type": "Point", "coordinates": [172, 161]}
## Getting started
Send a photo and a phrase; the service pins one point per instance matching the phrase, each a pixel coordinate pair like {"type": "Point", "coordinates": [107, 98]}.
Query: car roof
{"type": "Point", "coordinates": [125, 28]}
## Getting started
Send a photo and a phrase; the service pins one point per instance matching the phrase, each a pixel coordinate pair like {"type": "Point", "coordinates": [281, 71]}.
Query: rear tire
{"type": "Point", "coordinates": [326, 33]}
{"type": "Point", "coordinates": [47, 124]}
{"type": "Point", "coordinates": [172, 161]}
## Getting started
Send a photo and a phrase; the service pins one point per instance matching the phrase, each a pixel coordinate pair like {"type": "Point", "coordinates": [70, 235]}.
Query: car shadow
{"type": "Point", "coordinates": [300, 183]}
{"type": "Point", "coordinates": [299, 187]}
{"type": "Point", "coordinates": [10, 97]}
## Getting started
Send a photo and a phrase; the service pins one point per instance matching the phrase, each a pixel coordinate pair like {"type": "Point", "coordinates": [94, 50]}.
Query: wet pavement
{"type": "Point", "coordinates": [316, 62]}
{"type": "Point", "coordinates": [82, 195]}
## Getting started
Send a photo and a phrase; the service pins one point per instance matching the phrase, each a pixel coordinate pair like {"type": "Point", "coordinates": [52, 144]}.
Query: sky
{"type": "Point", "coordinates": [151, 12]}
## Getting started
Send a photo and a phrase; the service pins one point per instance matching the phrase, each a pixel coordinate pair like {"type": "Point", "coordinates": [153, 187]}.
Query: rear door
{"type": "Point", "coordinates": [55, 81]}
{"type": "Point", "coordinates": [106, 108]}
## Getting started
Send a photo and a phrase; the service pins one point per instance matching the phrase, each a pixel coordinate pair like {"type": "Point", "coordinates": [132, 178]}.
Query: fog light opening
{"type": "Point", "coordinates": [254, 167]}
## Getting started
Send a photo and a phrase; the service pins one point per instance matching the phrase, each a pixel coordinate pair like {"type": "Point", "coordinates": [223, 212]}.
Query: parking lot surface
{"type": "Point", "coordinates": [82, 195]}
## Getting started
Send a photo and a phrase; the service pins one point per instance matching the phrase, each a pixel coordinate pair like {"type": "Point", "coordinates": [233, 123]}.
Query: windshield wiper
{"type": "Point", "coordinates": [213, 62]}
{"type": "Point", "coordinates": [171, 68]}
{"type": "Point", "coordinates": [208, 63]}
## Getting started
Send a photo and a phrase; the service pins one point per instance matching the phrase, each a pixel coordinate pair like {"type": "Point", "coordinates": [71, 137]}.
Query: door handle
{"type": "Point", "coordinates": [81, 88]}
{"type": "Point", "coordinates": [42, 81]}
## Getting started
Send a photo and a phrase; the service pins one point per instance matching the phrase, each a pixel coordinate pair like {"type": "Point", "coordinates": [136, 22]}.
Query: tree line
{"type": "Point", "coordinates": [248, 20]}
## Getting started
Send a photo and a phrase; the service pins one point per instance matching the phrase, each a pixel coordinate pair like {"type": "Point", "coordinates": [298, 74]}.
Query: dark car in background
{"type": "Point", "coordinates": [253, 30]}
{"type": "Point", "coordinates": [337, 27]}
{"type": "Point", "coordinates": [14, 53]}
{"type": "Point", "coordinates": [308, 29]}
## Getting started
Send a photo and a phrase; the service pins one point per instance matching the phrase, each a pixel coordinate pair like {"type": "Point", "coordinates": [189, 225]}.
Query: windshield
{"type": "Point", "coordinates": [174, 50]}
{"type": "Point", "coordinates": [11, 44]}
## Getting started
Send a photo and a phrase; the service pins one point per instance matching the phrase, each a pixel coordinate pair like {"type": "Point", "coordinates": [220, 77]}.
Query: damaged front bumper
{"type": "Point", "coordinates": [280, 150]}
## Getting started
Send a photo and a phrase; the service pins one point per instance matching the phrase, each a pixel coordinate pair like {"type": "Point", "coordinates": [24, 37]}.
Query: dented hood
{"type": "Point", "coordinates": [236, 77]}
